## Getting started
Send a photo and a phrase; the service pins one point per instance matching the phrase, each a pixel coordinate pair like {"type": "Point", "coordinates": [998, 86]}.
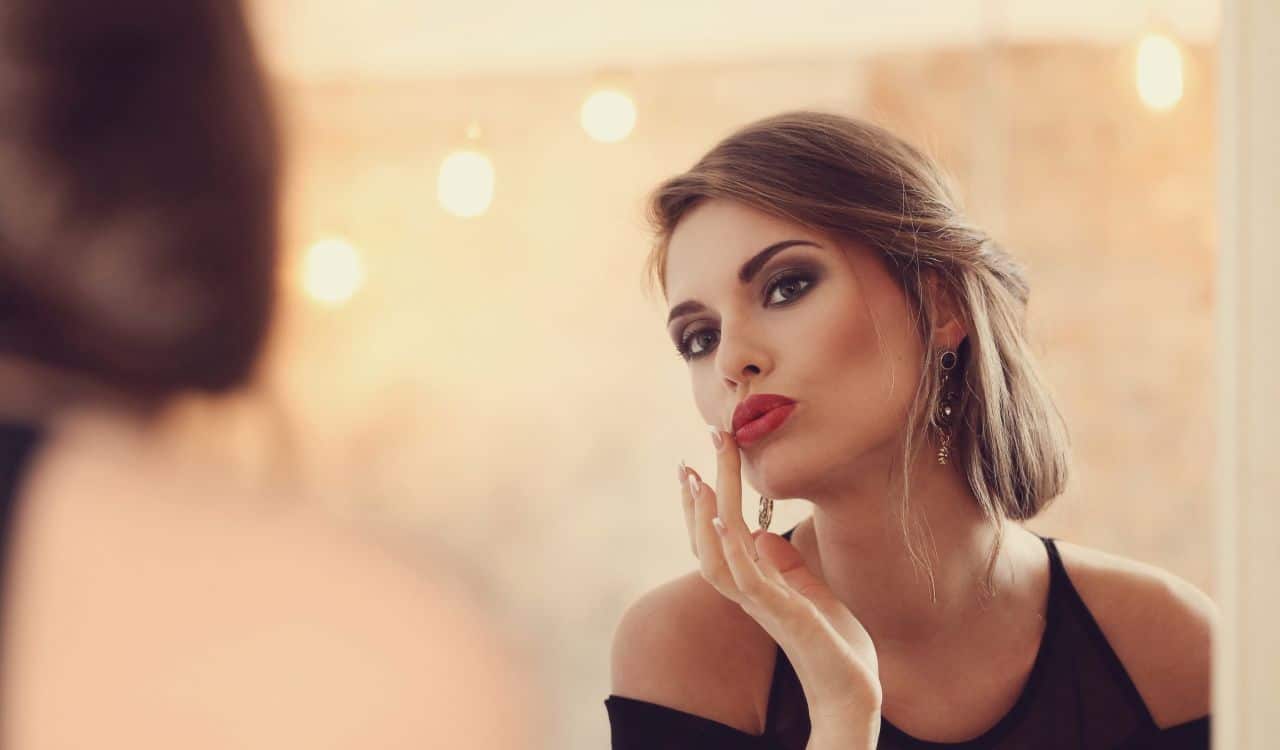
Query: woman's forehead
{"type": "Point", "coordinates": [713, 240]}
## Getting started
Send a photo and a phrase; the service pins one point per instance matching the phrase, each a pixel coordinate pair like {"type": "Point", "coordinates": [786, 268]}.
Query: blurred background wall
{"type": "Point", "coordinates": [497, 389]}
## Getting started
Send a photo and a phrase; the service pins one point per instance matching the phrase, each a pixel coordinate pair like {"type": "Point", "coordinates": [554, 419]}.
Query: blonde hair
{"type": "Point", "coordinates": [853, 180]}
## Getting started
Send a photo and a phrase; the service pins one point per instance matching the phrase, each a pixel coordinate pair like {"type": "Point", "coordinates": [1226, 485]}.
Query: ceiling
{"type": "Point", "coordinates": [412, 38]}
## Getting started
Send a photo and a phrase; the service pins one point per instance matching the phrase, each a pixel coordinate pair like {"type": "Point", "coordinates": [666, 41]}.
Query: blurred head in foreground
{"type": "Point", "coordinates": [138, 180]}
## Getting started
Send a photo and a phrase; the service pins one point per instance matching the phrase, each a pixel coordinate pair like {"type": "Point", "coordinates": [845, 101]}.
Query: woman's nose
{"type": "Point", "coordinates": [740, 358]}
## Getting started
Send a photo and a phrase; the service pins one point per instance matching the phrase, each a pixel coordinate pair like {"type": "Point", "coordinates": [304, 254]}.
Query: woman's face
{"type": "Point", "coordinates": [765, 306]}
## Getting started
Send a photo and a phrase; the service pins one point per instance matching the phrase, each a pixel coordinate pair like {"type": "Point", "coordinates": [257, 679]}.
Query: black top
{"type": "Point", "coordinates": [17, 445]}
{"type": "Point", "coordinates": [1078, 695]}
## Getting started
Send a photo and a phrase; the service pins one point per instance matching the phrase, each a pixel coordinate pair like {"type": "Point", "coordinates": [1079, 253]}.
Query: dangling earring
{"type": "Point", "coordinates": [945, 408]}
{"type": "Point", "coordinates": [766, 512]}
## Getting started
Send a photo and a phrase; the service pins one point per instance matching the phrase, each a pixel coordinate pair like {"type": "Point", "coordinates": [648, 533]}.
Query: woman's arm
{"type": "Point", "coordinates": [833, 655]}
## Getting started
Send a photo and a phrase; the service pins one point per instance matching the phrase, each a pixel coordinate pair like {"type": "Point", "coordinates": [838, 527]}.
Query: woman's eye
{"type": "Point", "coordinates": [781, 291]}
{"type": "Point", "coordinates": [697, 343]}
{"type": "Point", "coordinates": [786, 288]}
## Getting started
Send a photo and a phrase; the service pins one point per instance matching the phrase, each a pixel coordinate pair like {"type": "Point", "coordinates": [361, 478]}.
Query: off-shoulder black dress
{"type": "Point", "coordinates": [1078, 696]}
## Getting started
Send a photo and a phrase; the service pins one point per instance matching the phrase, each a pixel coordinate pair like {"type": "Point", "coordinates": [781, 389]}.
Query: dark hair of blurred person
{"type": "Point", "coordinates": [138, 180]}
{"type": "Point", "coordinates": [148, 602]}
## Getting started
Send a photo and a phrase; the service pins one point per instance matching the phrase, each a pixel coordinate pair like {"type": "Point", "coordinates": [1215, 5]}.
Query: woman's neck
{"type": "Point", "coordinates": [858, 545]}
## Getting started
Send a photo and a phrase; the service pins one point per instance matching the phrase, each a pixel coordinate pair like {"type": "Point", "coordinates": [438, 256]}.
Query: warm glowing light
{"type": "Point", "coordinates": [465, 186]}
{"type": "Point", "coordinates": [608, 116]}
{"type": "Point", "coordinates": [332, 272]}
{"type": "Point", "coordinates": [1159, 72]}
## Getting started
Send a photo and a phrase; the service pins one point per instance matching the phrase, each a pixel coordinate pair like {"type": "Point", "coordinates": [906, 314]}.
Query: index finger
{"type": "Point", "coordinates": [729, 481]}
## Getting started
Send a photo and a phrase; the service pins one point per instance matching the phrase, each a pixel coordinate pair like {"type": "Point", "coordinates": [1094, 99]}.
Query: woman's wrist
{"type": "Point", "coordinates": [852, 726]}
{"type": "Point", "coordinates": [853, 737]}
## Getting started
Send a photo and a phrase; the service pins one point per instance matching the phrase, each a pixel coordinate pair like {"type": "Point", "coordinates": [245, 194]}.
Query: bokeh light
{"type": "Point", "coordinates": [332, 272]}
{"type": "Point", "coordinates": [465, 185]}
{"type": "Point", "coordinates": [1159, 72]}
{"type": "Point", "coordinates": [608, 116]}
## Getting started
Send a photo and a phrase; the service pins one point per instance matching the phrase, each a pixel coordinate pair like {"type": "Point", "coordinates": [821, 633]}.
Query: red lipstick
{"type": "Point", "coordinates": [760, 415]}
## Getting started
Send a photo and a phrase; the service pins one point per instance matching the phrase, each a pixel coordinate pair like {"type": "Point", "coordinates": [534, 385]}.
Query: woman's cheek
{"type": "Point", "coordinates": [703, 401]}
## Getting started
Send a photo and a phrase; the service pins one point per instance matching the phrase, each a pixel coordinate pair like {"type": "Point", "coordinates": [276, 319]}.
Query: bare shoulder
{"type": "Point", "coordinates": [258, 618]}
{"type": "Point", "coordinates": [1158, 624]}
{"type": "Point", "coordinates": [685, 646]}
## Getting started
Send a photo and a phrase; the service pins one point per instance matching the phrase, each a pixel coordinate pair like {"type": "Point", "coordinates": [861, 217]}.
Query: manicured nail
{"type": "Point", "coordinates": [680, 470]}
{"type": "Point", "coordinates": [694, 484]}
{"type": "Point", "coordinates": [716, 440]}
{"type": "Point", "coordinates": [720, 527]}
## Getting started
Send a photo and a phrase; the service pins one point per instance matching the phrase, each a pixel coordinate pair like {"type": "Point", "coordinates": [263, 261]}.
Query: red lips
{"type": "Point", "coordinates": [756, 405]}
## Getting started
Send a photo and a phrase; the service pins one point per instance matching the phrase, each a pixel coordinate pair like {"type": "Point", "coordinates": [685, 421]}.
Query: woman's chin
{"type": "Point", "coordinates": [790, 470]}
{"type": "Point", "coordinates": [783, 482]}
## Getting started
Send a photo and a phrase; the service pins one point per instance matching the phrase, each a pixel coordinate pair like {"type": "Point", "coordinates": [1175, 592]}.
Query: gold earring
{"type": "Point", "coordinates": [945, 409]}
{"type": "Point", "coordinates": [766, 512]}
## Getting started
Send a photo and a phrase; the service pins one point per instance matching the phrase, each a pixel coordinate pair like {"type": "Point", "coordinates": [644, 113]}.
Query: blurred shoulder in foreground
{"type": "Point", "coordinates": [154, 605]}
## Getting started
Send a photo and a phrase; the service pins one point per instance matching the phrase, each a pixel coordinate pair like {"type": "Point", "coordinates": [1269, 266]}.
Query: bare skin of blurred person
{"type": "Point", "coordinates": [154, 604]}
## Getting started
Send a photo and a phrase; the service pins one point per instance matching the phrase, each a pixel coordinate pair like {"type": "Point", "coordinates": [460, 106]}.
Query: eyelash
{"type": "Point", "coordinates": [682, 348]}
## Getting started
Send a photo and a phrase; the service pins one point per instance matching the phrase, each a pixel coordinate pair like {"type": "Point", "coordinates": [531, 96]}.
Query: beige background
{"type": "Point", "coordinates": [1247, 360]}
{"type": "Point", "coordinates": [501, 393]}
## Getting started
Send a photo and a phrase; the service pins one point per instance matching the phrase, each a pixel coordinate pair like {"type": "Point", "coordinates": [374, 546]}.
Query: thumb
{"type": "Point", "coordinates": [783, 555]}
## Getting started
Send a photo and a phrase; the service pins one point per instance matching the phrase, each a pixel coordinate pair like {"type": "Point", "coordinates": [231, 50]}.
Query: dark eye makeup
{"type": "Point", "coordinates": [783, 289]}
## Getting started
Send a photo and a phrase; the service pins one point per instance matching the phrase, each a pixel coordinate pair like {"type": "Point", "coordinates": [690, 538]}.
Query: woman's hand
{"type": "Point", "coordinates": [832, 653]}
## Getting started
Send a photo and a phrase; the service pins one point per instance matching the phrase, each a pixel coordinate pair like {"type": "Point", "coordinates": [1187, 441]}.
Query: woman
{"type": "Point", "coordinates": [841, 320]}
{"type": "Point", "coordinates": [151, 601]}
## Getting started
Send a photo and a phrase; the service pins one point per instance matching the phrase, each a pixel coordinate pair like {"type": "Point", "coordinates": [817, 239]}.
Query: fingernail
{"type": "Point", "coordinates": [694, 484]}
{"type": "Point", "coordinates": [680, 470]}
{"type": "Point", "coordinates": [720, 527]}
{"type": "Point", "coordinates": [716, 440]}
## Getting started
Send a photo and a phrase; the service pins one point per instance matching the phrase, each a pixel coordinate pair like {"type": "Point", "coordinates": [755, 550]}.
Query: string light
{"type": "Point", "coordinates": [332, 272]}
{"type": "Point", "coordinates": [1159, 70]}
{"type": "Point", "coordinates": [465, 185]}
{"type": "Point", "coordinates": [608, 115]}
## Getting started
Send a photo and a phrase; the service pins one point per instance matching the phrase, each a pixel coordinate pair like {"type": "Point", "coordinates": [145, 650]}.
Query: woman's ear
{"type": "Point", "coordinates": [948, 322]}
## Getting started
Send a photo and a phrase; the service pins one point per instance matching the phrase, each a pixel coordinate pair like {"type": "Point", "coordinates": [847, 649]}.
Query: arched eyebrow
{"type": "Point", "coordinates": [745, 275]}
